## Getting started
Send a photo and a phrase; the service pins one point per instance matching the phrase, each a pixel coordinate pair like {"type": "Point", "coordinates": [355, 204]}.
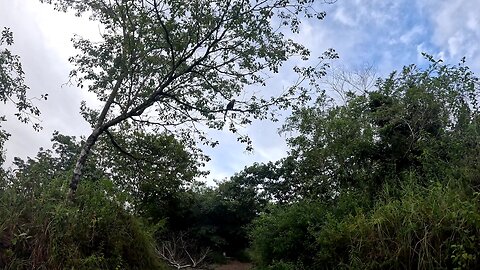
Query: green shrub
{"type": "Point", "coordinates": [435, 228]}
{"type": "Point", "coordinates": [283, 237]}
{"type": "Point", "coordinates": [424, 228]}
{"type": "Point", "coordinates": [46, 231]}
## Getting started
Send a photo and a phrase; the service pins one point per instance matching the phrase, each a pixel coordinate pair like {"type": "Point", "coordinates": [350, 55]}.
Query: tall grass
{"type": "Point", "coordinates": [42, 230]}
{"type": "Point", "coordinates": [422, 228]}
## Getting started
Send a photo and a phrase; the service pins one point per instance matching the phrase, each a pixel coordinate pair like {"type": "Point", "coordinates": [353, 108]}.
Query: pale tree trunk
{"type": "Point", "coordinates": [100, 127]}
{"type": "Point", "coordinates": [82, 159]}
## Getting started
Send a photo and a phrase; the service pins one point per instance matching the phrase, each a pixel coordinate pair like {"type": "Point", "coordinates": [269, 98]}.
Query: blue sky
{"type": "Point", "coordinates": [390, 34]}
{"type": "Point", "coordinates": [382, 33]}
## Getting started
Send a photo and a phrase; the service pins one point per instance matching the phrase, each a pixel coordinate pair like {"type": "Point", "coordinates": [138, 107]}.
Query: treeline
{"type": "Point", "coordinates": [381, 177]}
{"type": "Point", "coordinates": [388, 179]}
{"type": "Point", "coordinates": [384, 179]}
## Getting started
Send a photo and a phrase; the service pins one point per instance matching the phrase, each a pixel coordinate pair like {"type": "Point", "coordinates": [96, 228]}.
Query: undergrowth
{"type": "Point", "coordinates": [40, 229]}
{"type": "Point", "coordinates": [424, 228]}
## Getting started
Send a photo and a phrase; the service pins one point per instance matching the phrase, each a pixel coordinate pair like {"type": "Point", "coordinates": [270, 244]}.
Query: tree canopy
{"type": "Point", "coordinates": [410, 122]}
{"type": "Point", "coordinates": [378, 177]}
{"type": "Point", "coordinates": [176, 64]}
{"type": "Point", "coordinates": [381, 173]}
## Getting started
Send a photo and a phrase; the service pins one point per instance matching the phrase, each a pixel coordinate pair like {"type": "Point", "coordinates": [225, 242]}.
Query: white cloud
{"type": "Point", "coordinates": [341, 16]}
{"type": "Point", "coordinates": [412, 34]}
{"type": "Point", "coordinates": [456, 27]}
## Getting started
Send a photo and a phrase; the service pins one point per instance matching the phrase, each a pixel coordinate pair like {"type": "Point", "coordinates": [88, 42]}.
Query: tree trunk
{"type": "Point", "coordinates": [82, 159]}
{"type": "Point", "coordinates": [99, 129]}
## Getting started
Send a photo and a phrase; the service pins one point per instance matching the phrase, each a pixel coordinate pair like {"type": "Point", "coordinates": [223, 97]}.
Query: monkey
{"type": "Point", "coordinates": [229, 107]}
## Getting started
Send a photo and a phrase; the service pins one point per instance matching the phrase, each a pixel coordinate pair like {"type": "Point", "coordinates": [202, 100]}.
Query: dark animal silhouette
{"type": "Point", "coordinates": [229, 107]}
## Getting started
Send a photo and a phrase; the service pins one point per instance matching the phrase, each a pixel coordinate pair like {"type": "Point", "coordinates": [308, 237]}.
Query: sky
{"type": "Point", "coordinates": [384, 34]}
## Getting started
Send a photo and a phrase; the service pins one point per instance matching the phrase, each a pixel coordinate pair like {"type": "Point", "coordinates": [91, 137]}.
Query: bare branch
{"type": "Point", "coordinates": [182, 253]}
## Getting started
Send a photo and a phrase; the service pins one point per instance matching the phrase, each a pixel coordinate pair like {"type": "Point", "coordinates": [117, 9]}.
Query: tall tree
{"type": "Point", "coordinates": [174, 64]}
{"type": "Point", "coordinates": [420, 121]}
{"type": "Point", "coordinates": [162, 168]}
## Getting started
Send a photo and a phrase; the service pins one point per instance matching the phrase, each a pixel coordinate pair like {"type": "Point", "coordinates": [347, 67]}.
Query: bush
{"type": "Point", "coordinates": [434, 228]}
{"type": "Point", "coordinates": [46, 231]}
{"type": "Point", "coordinates": [283, 239]}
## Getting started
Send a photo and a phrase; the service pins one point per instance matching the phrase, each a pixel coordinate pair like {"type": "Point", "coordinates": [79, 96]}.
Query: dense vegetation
{"type": "Point", "coordinates": [384, 178]}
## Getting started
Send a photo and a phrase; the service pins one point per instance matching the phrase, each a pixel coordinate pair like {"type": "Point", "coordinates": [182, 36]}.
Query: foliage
{"type": "Point", "coordinates": [152, 168]}
{"type": "Point", "coordinates": [210, 218]}
{"type": "Point", "coordinates": [265, 182]}
{"type": "Point", "coordinates": [283, 235]}
{"type": "Point", "coordinates": [12, 84]}
{"type": "Point", "coordinates": [420, 120]}
{"type": "Point", "coordinates": [222, 216]}
{"type": "Point", "coordinates": [45, 231]}
{"type": "Point", "coordinates": [385, 180]}
{"type": "Point", "coordinates": [193, 57]}
{"type": "Point", "coordinates": [14, 90]}
{"type": "Point", "coordinates": [172, 65]}
{"type": "Point", "coordinates": [425, 229]}
{"type": "Point", "coordinates": [52, 163]}
{"type": "Point", "coordinates": [164, 169]}
{"type": "Point", "coordinates": [214, 218]}
{"type": "Point", "coordinates": [434, 228]}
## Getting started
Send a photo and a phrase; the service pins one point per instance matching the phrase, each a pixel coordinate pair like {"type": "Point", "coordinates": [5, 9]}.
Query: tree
{"type": "Point", "coordinates": [162, 168]}
{"type": "Point", "coordinates": [12, 85]}
{"type": "Point", "coordinates": [381, 176]}
{"type": "Point", "coordinates": [419, 121]}
{"type": "Point", "coordinates": [172, 65]}
{"type": "Point", "coordinates": [30, 175]}
{"type": "Point", "coordinates": [261, 183]}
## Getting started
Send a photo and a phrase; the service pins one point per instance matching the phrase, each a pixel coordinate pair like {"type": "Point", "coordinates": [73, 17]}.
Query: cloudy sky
{"type": "Point", "coordinates": [385, 34]}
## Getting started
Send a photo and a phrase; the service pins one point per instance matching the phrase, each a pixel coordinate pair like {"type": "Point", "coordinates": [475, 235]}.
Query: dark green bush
{"type": "Point", "coordinates": [95, 231]}
{"type": "Point", "coordinates": [434, 228]}
{"type": "Point", "coordinates": [283, 237]}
